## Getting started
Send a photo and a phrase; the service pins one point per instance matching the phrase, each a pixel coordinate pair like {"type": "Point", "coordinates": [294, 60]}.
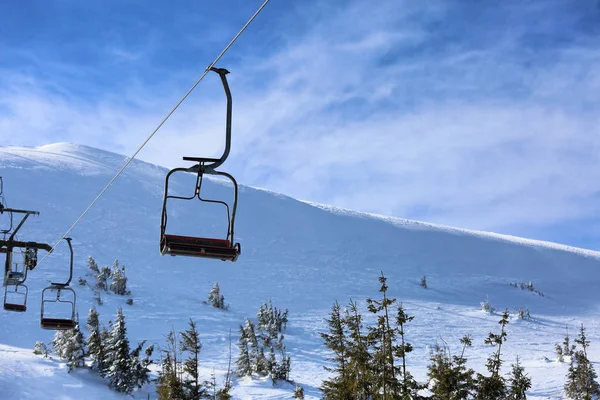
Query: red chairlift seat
{"type": "Point", "coordinates": [57, 324]}
{"type": "Point", "coordinates": [15, 307]}
{"type": "Point", "coordinates": [175, 245]}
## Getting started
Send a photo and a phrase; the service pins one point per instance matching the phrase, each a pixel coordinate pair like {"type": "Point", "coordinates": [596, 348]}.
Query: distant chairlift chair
{"type": "Point", "coordinates": [15, 290]}
{"type": "Point", "coordinates": [216, 248]}
{"type": "Point", "coordinates": [59, 293]}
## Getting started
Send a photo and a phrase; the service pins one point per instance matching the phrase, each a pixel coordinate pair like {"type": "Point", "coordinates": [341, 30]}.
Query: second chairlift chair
{"type": "Point", "coordinates": [216, 248]}
{"type": "Point", "coordinates": [52, 295]}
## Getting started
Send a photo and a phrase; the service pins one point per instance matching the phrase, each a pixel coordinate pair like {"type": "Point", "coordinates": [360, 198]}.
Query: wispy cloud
{"type": "Point", "coordinates": [469, 115]}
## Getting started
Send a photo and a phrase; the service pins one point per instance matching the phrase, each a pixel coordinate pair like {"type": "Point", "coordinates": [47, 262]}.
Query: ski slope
{"type": "Point", "coordinates": [302, 255]}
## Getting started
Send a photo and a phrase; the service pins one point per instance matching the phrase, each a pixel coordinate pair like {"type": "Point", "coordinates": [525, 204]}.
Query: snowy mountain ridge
{"type": "Point", "coordinates": [300, 254]}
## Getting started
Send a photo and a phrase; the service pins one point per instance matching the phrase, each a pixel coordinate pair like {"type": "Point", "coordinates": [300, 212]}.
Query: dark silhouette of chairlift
{"type": "Point", "coordinates": [59, 293]}
{"type": "Point", "coordinates": [216, 248]}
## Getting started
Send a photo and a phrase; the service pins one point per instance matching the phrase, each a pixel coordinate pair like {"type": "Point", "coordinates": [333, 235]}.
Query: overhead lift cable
{"type": "Point", "coordinates": [161, 124]}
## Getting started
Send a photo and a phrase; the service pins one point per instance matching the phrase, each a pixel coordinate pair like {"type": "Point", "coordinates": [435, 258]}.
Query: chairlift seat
{"type": "Point", "coordinates": [57, 323]}
{"type": "Point", "coordinates": [15, 307]}
{"type": "Point", "coordinates": [175, 245]}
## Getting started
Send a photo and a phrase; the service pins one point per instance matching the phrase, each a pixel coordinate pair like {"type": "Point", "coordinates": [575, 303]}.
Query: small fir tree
{"type": "Point", "coordinates": [243, 362]}
{"type": "Point", "coordinates": [119, 280]}
{"type": "Point", "coordinates": [493, 386]}
{"type": "Point", "coordinates": [518, 382]}
{"type": "Point", "coordinates": [118, 360]}
{"type": "Point", "coordinates": [581, 377]}
{"type": "Point", "coordinates": [360, 375]}
{"type": "Point", "coordinates": [75, 351]}
{"type": "Point", "coordinates": [96, 346]}
{"type": "Point", "coordinates": [423, 282]}
{"type": "Point", "coordinates": [40, 349]}
{"type": "Point", "coordinates": [336, 340]}
{"type": "Point", "coordinates": [190, 342]}
{"type": "Point", "coordinates": [93, 266]}
{"type": "Point", "coordinates": [215, 298]}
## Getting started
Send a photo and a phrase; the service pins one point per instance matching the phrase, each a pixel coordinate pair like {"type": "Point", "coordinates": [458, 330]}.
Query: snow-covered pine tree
{"type": "Point", "coordinates": [381, 337]}
{"type": "Point", "coordinates": [117, 359]}
{"type": "Point", "coordinates": [243, 362]}
{"type": "Point", "coordinates": [59, 342]}
{"type": "Point", "coordinates": [299, 393]}
{"type": "Point", "coordinates": [215, 298]}
{"type": "Point", "coordinates": [102, 278]}
{"type": "Point", "coordinates": [93, 266]}
{"type": "Point", "coordinates": [95, 344]}
{"type": "Point", "coordinates": [338, 386]}
{"type": "Point", "coordinates": [119, 280]}
{"type": "Point", "coordinates": [190, 342]}
{"type": "Point", "coordinates": [40, 349]}
{"type": "Point", "coordinates": [493, 386]}
{"type": "Point", "coordinates": [518, 382]}
{"type": "Point", "coordinates": [75, 351]}
{"type": "Point", "coordinates": [423, 282]}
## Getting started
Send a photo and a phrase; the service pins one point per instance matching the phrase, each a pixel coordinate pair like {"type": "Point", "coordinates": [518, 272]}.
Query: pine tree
{"type": "Point", "coordinates": [359, 359]}
{"type": "Point", "coordinates": [299, 393]}
{"type": "Point", "coordinates": [493, 386]}
{"type": "Point", "coordinates": [139, 366]}
{"type": "Point", "coordinates": [382, 337]}
{"type": "Point", "coordinates": [102, 278]}
{"type": "Point", "coordinates": [519, 382]}
{"type": "Point", "coordinates": [581, 378]}
{"type": "Point", "coordinates": [75, 351]}
{"type": "Point", "coordinates": [40, 349]}
{"type": "Point", "coordinates": [338, 386]}
{"type": "Point", "coordinates": [244, 364]}
{"type": "Point", "coordinates": [59, 342]}
{"type": "Point", "coordinates": [409, 386]}
{"type": "Point", "coordinates": [215, 298]}
{"type": "Point", "coordinates": [451, 380]}
{"type": "Point", "coordinates": [93, 266]}
{"type": "Point", "coordinates": [119, 280]}
{"type": "Point", "coordinates": [190, 342]}
{"type": "Point", "coordinates": [118, 361]}
{"type": "Point", "coordinates": [169, 387]}
{"type": "Point", "coordinates": [96, 346]}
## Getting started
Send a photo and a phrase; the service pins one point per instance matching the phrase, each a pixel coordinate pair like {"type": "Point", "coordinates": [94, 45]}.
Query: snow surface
{"type": "Point", "coordinates": [303, 256]}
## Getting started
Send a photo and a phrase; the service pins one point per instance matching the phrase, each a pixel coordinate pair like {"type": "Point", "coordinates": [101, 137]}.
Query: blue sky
{"type": "Point", "coordinates": [481, 115]}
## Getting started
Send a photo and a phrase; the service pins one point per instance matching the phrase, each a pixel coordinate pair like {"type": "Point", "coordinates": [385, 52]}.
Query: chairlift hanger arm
{"type": "Point", "coordinates": [27, 214]}
{"type": "Point", "coordinates": [65, 284]}
{"type": "Point", "coordinates": [10, 244]}
{"type": "Point", "coordinates": [217, 162]}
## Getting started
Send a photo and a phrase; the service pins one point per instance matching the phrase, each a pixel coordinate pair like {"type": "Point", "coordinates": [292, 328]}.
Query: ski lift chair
{"type": "Point", "coordinates": [15, 297]}
{"type": "Point", "coordinates": [55, 295]}
{"type": "Point", "coordinates": [216, 248]}
{"type": "Point", "coordinates": [15, 290]}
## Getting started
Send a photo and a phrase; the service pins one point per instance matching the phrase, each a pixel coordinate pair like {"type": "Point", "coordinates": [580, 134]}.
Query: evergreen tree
{"type": "Point", "coordinates": [409, 386]}
{"type": "Point", "coordinates": [215, 298]}
{"type": "Point", "coordinates": [93, 266]}
{"type": "Point", "coordinates": [581, 378]}
{"type": "Point", "coordinates": [59, 342]}
{"type": "Point", "coordinates": [139, 366]}
{"type": "Point", "coordinates": [493, 386]}
{"type": "Point", "coordinates": [451, 380]}
{"type": "Point", "coordinates": [359, 359]}
{"type": "Point", "coordinates": [381, 337]}
{"type": "Point", "coordinates": [118, 360]}
{"type": "Point", "coordinates": [299, 393]}
{"type": "Point", "coordinates": [338, 386]}
{"type": "Point", "coordinates": [519, 382]}
{"type": "Point", "coordinates": [244, 364]}
{"type": "Point", "coordinates": [96, 346]}
{"type": "Point", "coordinates": [40, 349]}
{"type": "Point", "coordinates": [119, 280]}
{"type": "Point", "coordinates": [190, 342]}
{"type": "Point", "coordinates": [74, 351]}
{"type": "Point", "coordinates": [169, 387]}
{"type": "Point", "coordinates": [102, 278]}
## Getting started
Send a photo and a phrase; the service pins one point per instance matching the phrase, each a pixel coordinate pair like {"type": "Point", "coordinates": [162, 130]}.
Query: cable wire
{"type": "Point", "coordinates": [159, 126]}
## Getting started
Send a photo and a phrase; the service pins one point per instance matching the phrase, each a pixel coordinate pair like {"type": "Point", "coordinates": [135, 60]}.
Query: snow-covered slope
{"type": "Point", "coordinates": [304, 256]}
